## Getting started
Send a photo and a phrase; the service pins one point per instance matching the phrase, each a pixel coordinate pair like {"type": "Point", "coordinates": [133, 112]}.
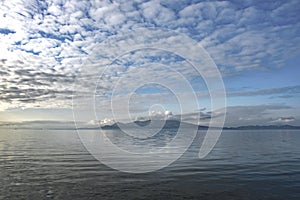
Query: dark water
{"type": "Point", "coordinates": [243, 165]}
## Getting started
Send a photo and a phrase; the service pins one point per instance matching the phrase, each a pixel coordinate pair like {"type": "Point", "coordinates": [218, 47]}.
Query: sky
{"type": "Point", "coordinates": [47, 45]}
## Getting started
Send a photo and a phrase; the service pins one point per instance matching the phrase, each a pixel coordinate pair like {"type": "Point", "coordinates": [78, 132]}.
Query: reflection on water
{"type": "Point", "coordinates": [39, 164]}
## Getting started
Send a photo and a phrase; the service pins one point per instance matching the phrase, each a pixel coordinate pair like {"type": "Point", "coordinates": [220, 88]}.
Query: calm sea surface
{"type": "Point", "coordinates": [257, 164]}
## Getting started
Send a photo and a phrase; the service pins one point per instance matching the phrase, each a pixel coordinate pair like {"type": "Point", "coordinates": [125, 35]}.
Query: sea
{"type": "Point", "coordinates": [244, 164]}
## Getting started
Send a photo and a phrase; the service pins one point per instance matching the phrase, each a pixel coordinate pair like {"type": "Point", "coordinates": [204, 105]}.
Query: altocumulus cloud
{"type": "Point", "coordinates": [44, 43]}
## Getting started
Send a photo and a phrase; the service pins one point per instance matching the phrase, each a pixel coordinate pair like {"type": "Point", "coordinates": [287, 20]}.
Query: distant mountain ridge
{"type": "Point", "coordinates": [258, 127]}
{"type": "Point", "coordinates": [169, 124]}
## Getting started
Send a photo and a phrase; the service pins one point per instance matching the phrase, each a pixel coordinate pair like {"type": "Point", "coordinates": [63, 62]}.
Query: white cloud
{"type": "Point", "coordinates": [283, 120]}
{"type": "Point", "coordinates": [253, 115]}
{"type": "Point", "coordinates": [107, 121]}
{"type": "Point", "coordinates": [62, 33]}
{"type": "Point", "coordinates": [154, 11]}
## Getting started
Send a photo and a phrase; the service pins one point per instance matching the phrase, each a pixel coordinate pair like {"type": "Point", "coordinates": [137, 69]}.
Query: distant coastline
{"type": "Point", "coordinates": [169, 124]}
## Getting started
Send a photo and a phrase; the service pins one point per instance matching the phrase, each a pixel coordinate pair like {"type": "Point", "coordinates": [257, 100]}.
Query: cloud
{"type": "Point", "coordinates": [202, 118]}
{"type": "Point", "coordinates": [107, 121]}
{"type": "Point", "coordinates": [153, 11]}
{"type": "Point", "coordinates": [253, 115]}
{"type": "Point", "coordinates": [283, 90]}
{"type": "Point", "coordinates": [41, 124]}
{"type": "Point", "coordinates": [45, 43]}
{"type": "Point", "coordinates": [283, 120]}
{"type": "Point", "coordinates": [252, 37]}
{"type": "Point", "coordinates": [160, 115]}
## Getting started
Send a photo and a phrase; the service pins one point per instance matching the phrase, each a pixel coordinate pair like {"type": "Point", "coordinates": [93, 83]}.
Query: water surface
{"type": "Point", "coordinates": [53, 164]}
